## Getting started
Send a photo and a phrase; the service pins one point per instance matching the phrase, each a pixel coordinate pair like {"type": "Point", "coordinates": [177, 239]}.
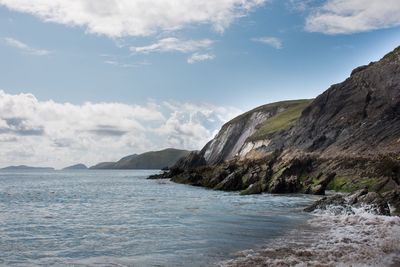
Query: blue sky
{"type": "Point", "coordinates": [221, 57]}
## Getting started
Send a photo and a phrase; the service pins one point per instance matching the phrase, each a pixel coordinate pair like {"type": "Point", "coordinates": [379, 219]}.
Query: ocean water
{"type": "Point", "coordinates": [118, 218]}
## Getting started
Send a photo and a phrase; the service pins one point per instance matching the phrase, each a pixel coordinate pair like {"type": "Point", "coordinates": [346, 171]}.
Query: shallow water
{"type": "Point", "coordinates": [356, 239]}
{"type": "Point", "coordinates": [103, 218]}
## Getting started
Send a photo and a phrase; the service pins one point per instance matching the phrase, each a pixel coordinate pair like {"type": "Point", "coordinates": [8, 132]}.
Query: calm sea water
{"type": "Point", "coordinates": [104, 218]}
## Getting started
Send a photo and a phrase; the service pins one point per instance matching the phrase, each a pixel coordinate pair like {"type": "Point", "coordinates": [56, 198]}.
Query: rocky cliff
{"type": "Point", "coordinates": [346, 139]}
{"type": "Point", "coordinates": [249, 131]}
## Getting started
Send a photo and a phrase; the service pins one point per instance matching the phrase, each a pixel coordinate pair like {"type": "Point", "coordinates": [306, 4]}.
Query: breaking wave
{"type": "Point", "coordinates": [355, 238]}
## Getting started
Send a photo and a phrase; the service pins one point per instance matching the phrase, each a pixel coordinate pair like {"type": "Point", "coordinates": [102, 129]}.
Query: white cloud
{"type": "Point", "coordinates": [197, 57]}
{"type": "Point", "coordinates": [125, 65]}
{"type": "Point", "coordinates": [25, 48]}
{"type": "Point", "coordinates": [351, 16]}
{"type": "Point", "coordinates": [299, 5]}
{"type": "Point", "coordinates": [271, 41]}
{"type": "Point", "coordinates": [172, 44]}
{"type": "Point", "coordinates": [122, 61]}
{"type": "Point", "coordinates": [48, 133]}
{"type": "Point", "coordinates": [119, 18]}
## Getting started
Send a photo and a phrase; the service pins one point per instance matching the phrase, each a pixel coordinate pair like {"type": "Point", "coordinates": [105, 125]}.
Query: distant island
{"type": "Point", "coordinates": [26, 168]}
{"type": "Point", "coordinates": [150, 160]}
{"type": "Point", "coordinates": [76, 167]}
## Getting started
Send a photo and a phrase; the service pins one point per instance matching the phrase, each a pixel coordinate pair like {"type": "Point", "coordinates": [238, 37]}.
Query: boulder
{"type": "Point", "coordinates": [256, 188]}
{"type": "Point", "coordinates": [393, 200]}
{"type": "Point", "coordinates": [327, 202]}
{"type": "Point", "coordinates": [374, 203]}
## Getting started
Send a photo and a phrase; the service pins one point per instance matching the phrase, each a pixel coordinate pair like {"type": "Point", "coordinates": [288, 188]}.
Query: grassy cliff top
{"type": "Point", "coordinates": [266, 108]}
{"type": "Point", "coordinates": [283, 120]}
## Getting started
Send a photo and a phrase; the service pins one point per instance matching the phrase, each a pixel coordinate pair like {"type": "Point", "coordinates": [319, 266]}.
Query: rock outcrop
{"type": "Point", "coordinates": [348, 138]}
{"type": "Point", "coordinates": [380, 204]}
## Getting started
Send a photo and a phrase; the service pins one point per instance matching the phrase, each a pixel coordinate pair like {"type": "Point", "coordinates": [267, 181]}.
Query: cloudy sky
{"type": "Point", "coordinates": [89, 80]}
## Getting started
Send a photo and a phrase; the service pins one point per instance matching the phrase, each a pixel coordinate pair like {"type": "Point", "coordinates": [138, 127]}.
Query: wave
{"type": "Point", "coordinates": [349, 238]}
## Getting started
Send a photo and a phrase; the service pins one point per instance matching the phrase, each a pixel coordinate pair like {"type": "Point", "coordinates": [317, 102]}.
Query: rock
{"type": "Point", "coordinates": [393, 200]}
{"type": "Point", "coordinates": [353, 198]}
{"type": "Point", "coordinates": [256, 188]}
{"type": "Point", "coordinates": [370, 201]}
{"type": "Point", "coordinates": [280, 185]}
{"type": "Point", "coordinates": [231, 183]}
{"type": "Point", "coordinates": [323, 181]}
{"type": "Point", "coordinates": [374, 203]}
{"type": "Point", "coordinates": [193, 160]}
{"type": "Point", "coordinates": [325, 202]}
{"type": "Point", "coordinates": [190, 178]}
{"type": "Point", "coordinates": [318, 190]}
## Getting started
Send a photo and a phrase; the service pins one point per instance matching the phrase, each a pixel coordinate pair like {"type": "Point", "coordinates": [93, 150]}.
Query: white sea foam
{"type": "Point", "coordinates": [352, 239]}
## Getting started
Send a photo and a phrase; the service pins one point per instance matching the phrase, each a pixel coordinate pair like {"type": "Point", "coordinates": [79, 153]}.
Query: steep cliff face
{"type": "Point", "coordinates": [347, 138]}
{"type": "Point", "coordinates": [359, 116]}
{"type": "Point", "coordinates": [248, 131]}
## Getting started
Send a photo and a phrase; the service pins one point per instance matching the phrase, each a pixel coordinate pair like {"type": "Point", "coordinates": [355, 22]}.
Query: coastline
{"type": "Point", "coordinates": [330, 239]}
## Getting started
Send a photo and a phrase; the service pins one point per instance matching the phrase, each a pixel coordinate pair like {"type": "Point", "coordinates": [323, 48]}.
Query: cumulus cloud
{"type": "Point", "coordinates": [351, 16]}
{"type": "Point", "coordinates": [48, 133]}
{"type": "Point", "coordinates": [173, 45]}
{"type": "Point", "coordinates": [25, 48]}
{"type": "Point", "coordinates": [269, 40]}
{"type": "Point", "coordinates": [119, 18]}
{"type": "Point", "coordinates": [197, 57]}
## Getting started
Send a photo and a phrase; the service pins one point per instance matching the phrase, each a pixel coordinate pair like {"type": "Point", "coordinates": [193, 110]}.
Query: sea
{"type": "Point", "coordinates": [119, 218]}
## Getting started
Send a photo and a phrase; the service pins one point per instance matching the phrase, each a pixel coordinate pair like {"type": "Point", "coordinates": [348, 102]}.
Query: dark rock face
{"type": "Point", "coordinates": [193, 160]}
{"type": "Point", "coordinates": [393, 200]}
{"type": "Point", "coordinates": [347, 139]}
{"type": "Point", "coordinates": [336, 201]}
{"type": "Point", "coordinates": [358, 116]}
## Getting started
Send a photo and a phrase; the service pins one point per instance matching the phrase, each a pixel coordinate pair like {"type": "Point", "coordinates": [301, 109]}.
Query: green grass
{"type": "Point", "coordinates": [349, 184]}
{"type": "Point", "coordinates": [266, 108]}
{"type": "Point", "coordinates": [281, 121]}
{"type": "Point", "coordinates": [393, 55]}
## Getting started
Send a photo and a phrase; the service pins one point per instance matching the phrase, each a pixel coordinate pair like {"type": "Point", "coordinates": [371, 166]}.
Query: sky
{"type": "Point", "coordinates": [85, 81]}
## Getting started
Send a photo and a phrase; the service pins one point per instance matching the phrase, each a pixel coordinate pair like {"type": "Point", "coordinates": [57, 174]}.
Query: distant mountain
{"type": "Point", "coordinates": [26, 168]}
{"type": "Point", "coordinates": [76, 167]}
{"type": "Point", "coordinates": [150, 160]}
{"type": "Point", "coordinates": [103, 166]}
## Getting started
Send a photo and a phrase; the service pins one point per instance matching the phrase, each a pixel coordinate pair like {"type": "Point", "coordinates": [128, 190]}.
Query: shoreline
{"type": "Point", "coordinates": [330, 239]}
